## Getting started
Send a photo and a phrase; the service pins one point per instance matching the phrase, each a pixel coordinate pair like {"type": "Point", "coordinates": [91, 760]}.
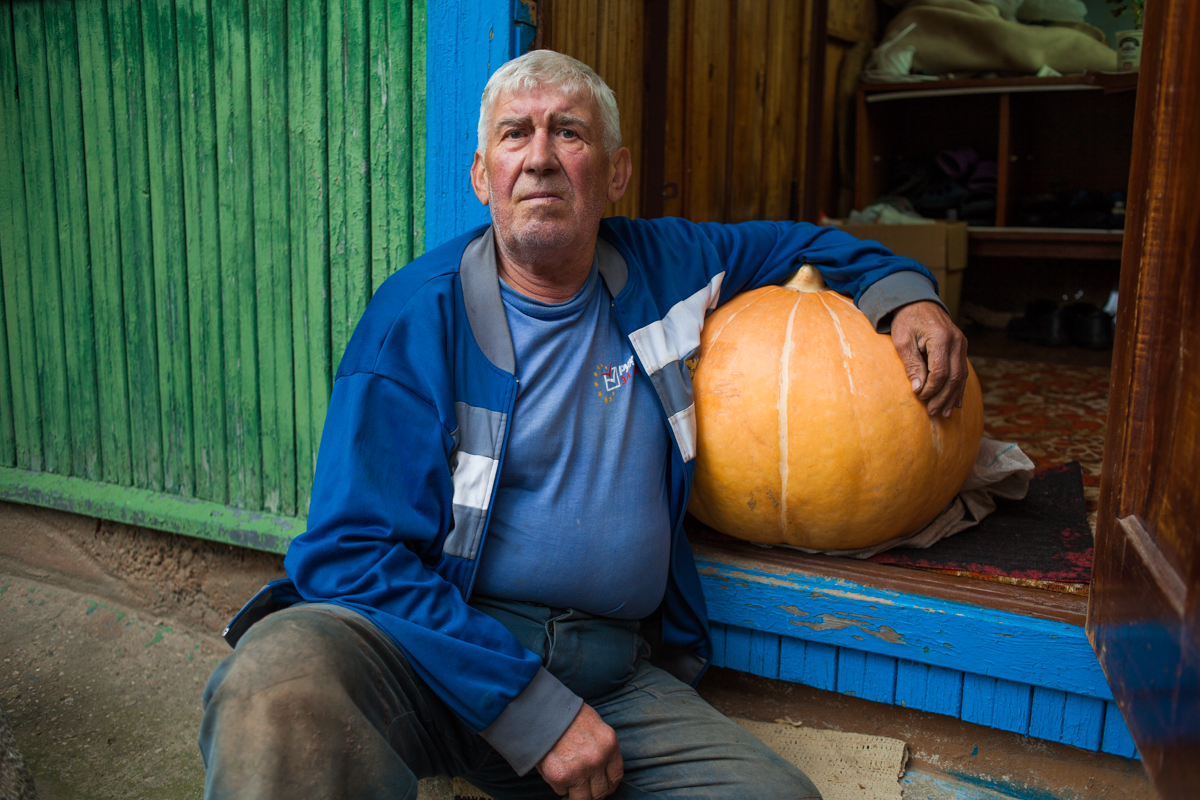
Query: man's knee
{"type": "Point", "coordinates": [292, 657]}
{"type": "Point", "coordinates": [292, 675]}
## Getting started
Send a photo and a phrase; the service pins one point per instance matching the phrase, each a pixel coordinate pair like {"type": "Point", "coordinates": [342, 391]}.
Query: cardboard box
{"type": "Point", "coordinates": [941, 247]}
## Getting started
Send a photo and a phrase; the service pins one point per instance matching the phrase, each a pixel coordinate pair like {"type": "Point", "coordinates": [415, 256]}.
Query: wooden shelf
{"type": "Point", "coordinates": [1085, 244]}
{"type": "Point", "coordinates": [1107, 82]}
{"type": "Point", "coordinates": [1045, 135]}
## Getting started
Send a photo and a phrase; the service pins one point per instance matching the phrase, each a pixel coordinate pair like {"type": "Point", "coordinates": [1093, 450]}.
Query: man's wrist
{"type": "Point", "coordinates": [533, 722]}
{"type": "Point", "coordinates": [889, 294]}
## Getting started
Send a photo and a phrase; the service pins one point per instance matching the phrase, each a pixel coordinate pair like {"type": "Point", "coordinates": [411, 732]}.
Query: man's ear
{"type": "Point", "coordinates": [622, 165]}
{"type": "Point", "coordinates": [479, 179]}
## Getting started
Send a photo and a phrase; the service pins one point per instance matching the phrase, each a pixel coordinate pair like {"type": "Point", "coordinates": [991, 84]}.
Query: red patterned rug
{"type": "Point", "coordinates": [1055, 413]}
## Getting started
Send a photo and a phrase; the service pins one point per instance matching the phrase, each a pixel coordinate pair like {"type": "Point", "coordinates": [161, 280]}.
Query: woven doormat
{"type": "Point", "coordinates": [844, 766]}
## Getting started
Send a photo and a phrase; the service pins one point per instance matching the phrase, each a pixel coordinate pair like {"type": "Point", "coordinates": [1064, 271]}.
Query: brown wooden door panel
{"type": "Point", "coordinates": [713, 97]}
{"type": "Point", "coordinates": [1144, 609]}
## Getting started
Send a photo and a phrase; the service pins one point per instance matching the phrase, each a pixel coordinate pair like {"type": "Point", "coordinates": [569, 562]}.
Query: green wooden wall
{"type": "Point", "coordinates": [197, 199]}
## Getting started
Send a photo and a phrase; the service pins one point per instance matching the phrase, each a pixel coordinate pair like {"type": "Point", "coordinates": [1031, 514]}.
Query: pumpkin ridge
{"type": "Point", "coordinates": [781, 407]}
{"type": "Point", "coordinates": [846, 352]}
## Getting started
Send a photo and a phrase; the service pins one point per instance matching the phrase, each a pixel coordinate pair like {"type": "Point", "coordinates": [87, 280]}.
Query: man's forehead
{"type": "Point", "coordinates": [541, 101]}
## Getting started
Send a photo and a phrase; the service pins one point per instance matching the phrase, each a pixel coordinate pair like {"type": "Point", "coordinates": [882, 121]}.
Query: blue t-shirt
{"type": "Point", "coordinates": [580, 518]}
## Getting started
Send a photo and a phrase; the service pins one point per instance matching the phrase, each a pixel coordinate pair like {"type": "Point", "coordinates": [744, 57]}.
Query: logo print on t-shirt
{"type": "Point", "coordinates": [613, 377]}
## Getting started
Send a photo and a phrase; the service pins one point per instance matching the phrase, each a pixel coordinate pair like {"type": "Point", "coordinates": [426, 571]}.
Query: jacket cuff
{"type": "Point", "coordinates": [533, 722]}
{"type": "Point", "coordinates": [882, 298]}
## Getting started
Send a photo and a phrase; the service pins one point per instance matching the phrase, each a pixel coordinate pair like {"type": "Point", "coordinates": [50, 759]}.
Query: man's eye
{"type": "Point", "coordinates": [567, 133]}
{"type": "Point", "coordinates": [513, 134]}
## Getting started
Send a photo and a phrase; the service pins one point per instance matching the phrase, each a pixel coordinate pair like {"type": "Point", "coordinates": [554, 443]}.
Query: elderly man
{"type": "Point", "coordinates": [494, 583]}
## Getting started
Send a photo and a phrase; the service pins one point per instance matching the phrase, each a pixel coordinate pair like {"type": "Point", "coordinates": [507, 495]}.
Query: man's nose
{"type": "Point", "coordinates": [542, 157]}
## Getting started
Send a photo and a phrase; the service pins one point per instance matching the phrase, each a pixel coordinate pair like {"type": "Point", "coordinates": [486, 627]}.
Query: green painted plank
{"type": "Point", "coordinates": [310, 246]}
{"type": "Point", "coordinates": [8, 139]}
{"type": "Point", "coordinates": [235, 208]}
{"type": "Point", "coordinates": [42, 215]}
{"type": "Point", "coordinates": [338, 130]}
{"type": "Point", "coordinates": [150, 509]}
{"type": "Point", "coordinates": [104, 240]}
{"type": "Point", "coordinates": [14, 263]}
{"type": "Point", "coordinates": [198, 135]}
{"type": "Point", "coordinates": [391, 138]}
{"type": "Point", "coordinates": [417, 101]}
{"type": "Point", "coordinates": [379, 92]}
{"type": "Point", "coordinates": [167, 236]}
{"type": "Point", "coordinates": [269, 83]}
{"type": "Point", "coordinates": [358, 178]}
{"type": "Point", "coordinates": [300, 165]}
{"type": "Point", "coordinates": [71, 190]}
{"type": "Point", "coordinates": [137, 258]}
{"type": "Point", "coordinates": [349, 268]}
{"type": "Point", "coordinates": [8, 452]}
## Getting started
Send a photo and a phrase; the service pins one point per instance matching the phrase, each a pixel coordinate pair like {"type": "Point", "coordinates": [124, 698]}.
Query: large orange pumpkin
{"type": "Point", "coordinates": [809, 432]}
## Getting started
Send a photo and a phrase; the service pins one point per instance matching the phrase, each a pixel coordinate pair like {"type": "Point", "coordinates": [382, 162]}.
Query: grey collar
{"type": "Point", "coordinates": [485, 308]}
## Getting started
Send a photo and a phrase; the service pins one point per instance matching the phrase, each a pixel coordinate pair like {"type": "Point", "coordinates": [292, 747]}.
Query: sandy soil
{"type": "Point", "coordinates": [108, 634]}
{"type": "Point", "coordinates": [199, 583]}
{"type": "Point", "coordinates": [104, 702]}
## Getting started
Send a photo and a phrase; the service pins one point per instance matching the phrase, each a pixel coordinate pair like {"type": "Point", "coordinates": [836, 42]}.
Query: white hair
{"type": "Point", "coordinates": [550, 69]}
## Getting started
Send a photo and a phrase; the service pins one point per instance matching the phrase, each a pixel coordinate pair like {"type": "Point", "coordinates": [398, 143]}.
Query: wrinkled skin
{"type": "Point", "coordinates": [547, 179]}
{"type": "Point", "coordinates": [934, 352]}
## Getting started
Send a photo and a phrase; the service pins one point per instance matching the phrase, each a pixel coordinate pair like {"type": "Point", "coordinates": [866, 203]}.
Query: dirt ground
{"type": "Point", "coordinates": [109, 632]}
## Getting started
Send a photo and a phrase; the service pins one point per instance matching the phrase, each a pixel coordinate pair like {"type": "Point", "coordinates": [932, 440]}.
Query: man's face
{"type": "Point", "coordinates": [544, 171]}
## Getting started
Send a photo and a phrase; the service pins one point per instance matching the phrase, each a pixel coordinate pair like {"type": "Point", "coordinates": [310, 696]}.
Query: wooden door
{"type": "Point", "coordinates": [1144, 610]}
{"type": "Point", "coordinates": [714, 98]}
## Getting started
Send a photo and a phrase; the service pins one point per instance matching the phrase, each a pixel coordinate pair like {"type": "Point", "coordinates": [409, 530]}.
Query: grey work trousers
{"type": "Point", "coordinates": [317, 702]}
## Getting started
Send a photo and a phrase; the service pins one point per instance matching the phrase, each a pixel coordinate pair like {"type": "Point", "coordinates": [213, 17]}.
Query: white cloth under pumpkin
{"type": "Point", "coordinates": [1001, 470]}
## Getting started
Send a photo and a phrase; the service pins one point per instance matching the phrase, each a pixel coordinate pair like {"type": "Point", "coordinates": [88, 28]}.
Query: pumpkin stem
{"type": "Point", "coordinates": [806, 279]}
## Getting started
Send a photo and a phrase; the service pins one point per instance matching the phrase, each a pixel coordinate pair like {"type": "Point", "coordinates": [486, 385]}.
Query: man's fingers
{"type": "Point", "coordinates": [933, 351]}
{"type": "Point", "coordinates": [948, 375]}
{"type": "Point", "coordinates": [615, 771]}
{"type": "Point", "coordinates": [939, 372]}
{"type": "Point", "coordinates": [914, 363]}
{"type": "Point", "coordinates": [581, 764]}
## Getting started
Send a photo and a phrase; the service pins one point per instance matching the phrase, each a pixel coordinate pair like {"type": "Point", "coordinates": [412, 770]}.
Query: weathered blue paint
{"type": "Point", "coordinates": [1117, 739]}
{"type": "Point", "coordinates": [995, 668]}
{"type": "Point", "coordinates": [811, 663]}
{"type": "Point", "coordinates": [468, 40]}
{"type": "Point", "coordinates": [972, 639]}
{"type": "Point", "coordinates": [1085, 722]}
{"type": "Point", "coordinates": [764, 654]}
{"type": "Point", "coordinates": [150, 509]}
{"type": "Point", "coordinates": [996, 703]}
{"type": "Point", "coordinates": [927, 688]}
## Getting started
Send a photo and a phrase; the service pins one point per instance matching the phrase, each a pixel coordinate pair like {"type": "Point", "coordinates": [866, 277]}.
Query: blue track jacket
{"type": "Point", "coordinates": [415, 435]}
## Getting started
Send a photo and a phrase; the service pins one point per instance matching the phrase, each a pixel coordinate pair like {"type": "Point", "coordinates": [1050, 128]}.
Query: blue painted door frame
{"type": "Point", "coordinates": [468, 41]}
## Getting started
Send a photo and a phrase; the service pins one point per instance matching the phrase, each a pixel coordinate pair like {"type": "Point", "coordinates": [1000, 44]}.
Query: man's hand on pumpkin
{"type": "Point", "coordinates": [934, 352]}
{"type": "Point", "coordinates": [586, 762]}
